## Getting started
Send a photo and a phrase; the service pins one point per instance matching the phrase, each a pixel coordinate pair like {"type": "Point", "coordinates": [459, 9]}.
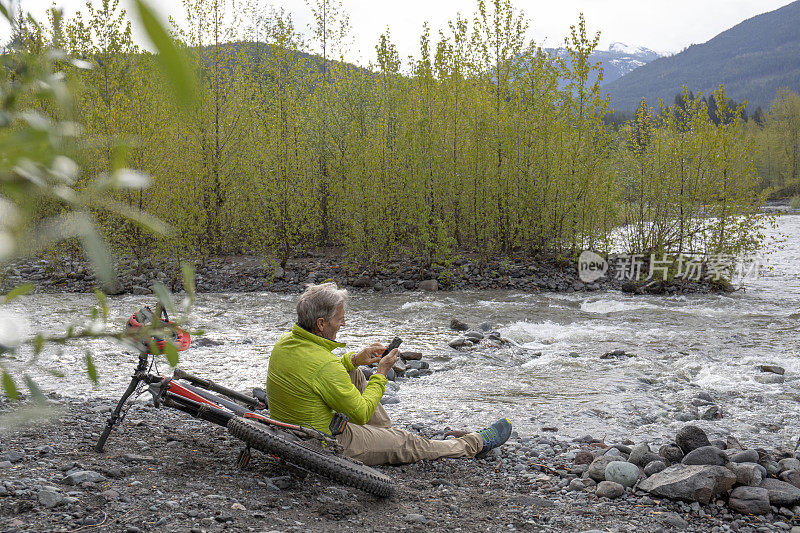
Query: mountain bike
{"type": "Point", "coordinates": [243, 416]}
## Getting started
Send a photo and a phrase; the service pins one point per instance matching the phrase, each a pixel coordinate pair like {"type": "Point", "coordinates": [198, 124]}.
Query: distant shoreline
{"type": "Point", "coordinates": [246, 273]}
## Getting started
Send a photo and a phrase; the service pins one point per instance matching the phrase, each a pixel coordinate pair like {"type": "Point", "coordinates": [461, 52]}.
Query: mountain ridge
{"type": "Point", "coordinates": [752, 59]}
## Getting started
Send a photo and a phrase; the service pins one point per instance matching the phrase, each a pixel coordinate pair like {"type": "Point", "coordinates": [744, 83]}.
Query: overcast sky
{"type": "Point", "coordinates": [664, 26]}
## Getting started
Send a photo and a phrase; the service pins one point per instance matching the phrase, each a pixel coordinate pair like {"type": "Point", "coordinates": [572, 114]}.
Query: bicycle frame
{"type": "Point", "coordinates": [193, 400]}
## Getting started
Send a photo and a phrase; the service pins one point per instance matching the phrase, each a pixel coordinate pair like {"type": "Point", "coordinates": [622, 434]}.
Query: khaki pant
{"type": "Point", "coordinates": [378, 443]}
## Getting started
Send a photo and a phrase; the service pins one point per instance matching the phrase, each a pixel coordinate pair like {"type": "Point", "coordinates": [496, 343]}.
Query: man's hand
{"type": "Point", "coordinates": [387, 362]}
{"type": "Point", "coordinates": [370, 354]}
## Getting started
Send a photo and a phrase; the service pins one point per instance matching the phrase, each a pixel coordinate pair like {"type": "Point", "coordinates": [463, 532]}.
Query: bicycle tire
{"type": "Point", "coordinates": [337, 468]}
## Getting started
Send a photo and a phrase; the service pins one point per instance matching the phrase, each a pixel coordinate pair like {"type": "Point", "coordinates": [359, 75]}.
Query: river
{"type": "Point", "coordinates": [554, 379]}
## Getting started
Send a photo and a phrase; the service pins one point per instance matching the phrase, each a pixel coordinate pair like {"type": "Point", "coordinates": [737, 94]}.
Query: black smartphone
{"type": "Point", "coordinates": [396, 342]}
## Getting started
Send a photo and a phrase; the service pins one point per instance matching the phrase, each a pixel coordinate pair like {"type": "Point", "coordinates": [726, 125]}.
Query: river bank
{"type": "Point", "coordinates": [243, 273]}
{"type": "Point", "coordinates": [165, 471]}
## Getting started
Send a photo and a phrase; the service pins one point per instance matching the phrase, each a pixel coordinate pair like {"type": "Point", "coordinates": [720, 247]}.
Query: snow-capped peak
{"type": "Point", "coordinates": [622, 48]}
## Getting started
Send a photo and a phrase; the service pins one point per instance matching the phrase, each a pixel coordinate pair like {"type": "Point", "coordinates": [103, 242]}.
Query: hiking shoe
{"type": "Point", "coordinates": [494, 436]}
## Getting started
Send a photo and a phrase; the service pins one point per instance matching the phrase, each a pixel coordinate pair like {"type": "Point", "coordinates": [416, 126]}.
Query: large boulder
{"type": "Point", "coordinates": [706, 455]}
{"type": "Point", "coordinates": [696, 483]}
{"type": "Point", "coordinates": [781, 494]}
{"type": "Point", "coordinates": [622, 472]}
{"type": "Point", "coordinates": [597, 470]}
{"type": "Point", "coordinates": [690, 438]}
{"type": "Point", "coordinates": [749, 500]}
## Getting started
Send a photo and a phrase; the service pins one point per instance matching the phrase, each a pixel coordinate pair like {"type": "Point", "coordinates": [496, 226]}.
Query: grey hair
{"type": "Point", "coordinates": [319, 301]}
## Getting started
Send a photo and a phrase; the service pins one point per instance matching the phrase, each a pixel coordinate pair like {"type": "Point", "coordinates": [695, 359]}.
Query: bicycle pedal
{"type": "Point", "coordinates": [244, 458]}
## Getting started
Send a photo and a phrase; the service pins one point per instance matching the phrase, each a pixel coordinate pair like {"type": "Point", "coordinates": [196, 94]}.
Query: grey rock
{"type": "Point", "coordinates": [363, 282]}
{"type": "Point", "coordinates": [576, 485]}
{"type": "Point", "coordinates": [458, 342]}
{"type": "Point", "coordinates": [613, 452]}
{"type": "Point", "coordinates": [429, 285]}
{"type": "Point", "coordinates": [781, 494]}
{"type": "Point", "coordinates": [749, 500]}
{"type": "Point", "coordinates": [713, 412]}
{"type": "Point", "coordinates": [637, 453]}
{"type": "Point", "coordinates": [390, 400]}
{"type": "Point", "coordinates": [749, 474]}
{"type": "Point", "coordinates": [12, 457]}
{"type": "Point", "coordinates": [597, 470]}
{"type": "Point", "coordinates": [690, 438]}
{"type": "Point", "coordinates": [706, 455]}
{"type": "Point", "coordinates": [418, 365]}
{"type": "Point", "coordinates": [457, 325]}
{"type": "Point", "coordinates": [485, 326]}
{"type": "Point", "coordinates": [772, 466]}
{"type": "Point", "coordinates": [5, 464]}
{"type": "Point", "coordinates": [49, 498]}
{"type": "Point", "coordinates": [791, 476]}
{"type": "Point", "coordinates": [617, 354]}
{"type": "Point", "coordinates": [411, 356]}
{"type": "Point", "coordinates": [624, 473]}
{"type": "Point", "coordinates": [745, 456]}
{"type": "Point", "coordinates": [789, 464]}
{"type": "Point", "coordinates": [82, 476]}
{"type": "Point", "coordinates": [773, 369]}
{"type": "Point", "coordinates": [690, 482]}
{"type": "Point", "coordinates": [654, 467]}
{"type": "Point", "coordinates": [675, 520]}
{"type": "Point", "coordinates": [474, 336]}
{"type": "Point", "coordinates": [672, 454]}
{"type": "Point", "coordinates": [416, 518]}
{"type": "Point", "coordinates": [610, 489]}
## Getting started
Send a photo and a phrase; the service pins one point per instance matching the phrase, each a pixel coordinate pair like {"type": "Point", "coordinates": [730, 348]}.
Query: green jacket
{"type": "Point", "coordinates": [306, 383]}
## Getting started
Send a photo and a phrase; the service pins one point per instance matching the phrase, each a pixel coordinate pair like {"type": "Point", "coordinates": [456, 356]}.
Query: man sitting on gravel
{"type": "Point", "coordinates": [307, 384]}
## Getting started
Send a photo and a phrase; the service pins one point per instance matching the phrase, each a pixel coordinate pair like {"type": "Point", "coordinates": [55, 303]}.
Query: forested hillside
{"type": "Point", "coordinates": [753, 60]}
{"type": "Point", "coordinates": [488, 145]}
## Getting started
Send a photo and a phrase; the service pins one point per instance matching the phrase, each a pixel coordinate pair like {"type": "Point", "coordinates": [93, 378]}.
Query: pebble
{"type": "Point", "coordinates": [416, 518]}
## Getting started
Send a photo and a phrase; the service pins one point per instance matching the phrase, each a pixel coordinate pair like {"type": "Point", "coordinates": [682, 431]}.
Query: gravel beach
{"type": "Point", "coordinates": [165, 471]}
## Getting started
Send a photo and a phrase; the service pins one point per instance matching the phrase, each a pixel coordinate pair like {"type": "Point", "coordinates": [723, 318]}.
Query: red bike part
{"type": "Point", "coordinates": [178, 389]}
{"type": "Point", "coordinates": [265, 420]}
{"type": "Point", "coordinates": [180, 338]}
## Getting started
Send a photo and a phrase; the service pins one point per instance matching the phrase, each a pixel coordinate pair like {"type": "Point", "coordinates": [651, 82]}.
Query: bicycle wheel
{"type": "Point", "coordinates": [334, 467]}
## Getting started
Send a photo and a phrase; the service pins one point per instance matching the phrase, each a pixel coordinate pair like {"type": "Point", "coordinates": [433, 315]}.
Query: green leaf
{"type": "Point", "coordinates": [9, 387]}
{"type": "Point", "coordinates": [90, 368]}
{"type": "Point", "coordinates": [171, 352]}
{"type": "Point", "coordinates": [97, 251]}
{"type": "Point", "coordinates": [36, 392]}
{"type": "Point", "coordinates": [175, 66]}
{"type": "Point", "coordinates": [102, 299]}
{"type": "Point", "coordinates": [54, 372]}
{"type": "Point", "coordinates": [21, 290]}
{"type": "Point", "coordinates": [187, 272]}
{"type": "Point", "coordinates": [4, 11]}
{"type": "Point", "coordinates": [164, 297]}
{"type": "Point", "coordinates": [38, 344]}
